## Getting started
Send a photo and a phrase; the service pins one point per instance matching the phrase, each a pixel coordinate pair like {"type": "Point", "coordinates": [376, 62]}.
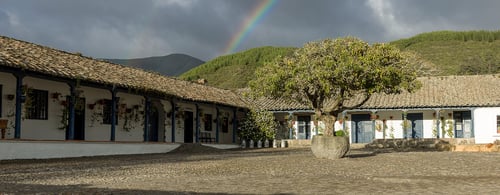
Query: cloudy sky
{"type": "Point", "coordinates": [208, 28]}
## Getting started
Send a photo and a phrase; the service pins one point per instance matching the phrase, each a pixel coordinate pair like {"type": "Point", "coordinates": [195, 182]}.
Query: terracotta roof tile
{"type": "Point", "coordinates": [28, 56]}
{"type": "Point", "coordinates": [443, 91]}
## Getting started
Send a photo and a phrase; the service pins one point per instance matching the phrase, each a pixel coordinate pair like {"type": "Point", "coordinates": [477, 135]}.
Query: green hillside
{"type": "Point", "coordinates": [457, 53]}
{"type": "Point", "coordinates": [235, 70]}
{"type": "Point", "coordinates": [442, 52]}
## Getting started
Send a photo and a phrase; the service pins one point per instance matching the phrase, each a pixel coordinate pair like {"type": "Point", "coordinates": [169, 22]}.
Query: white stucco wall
{"type": "Point", "coordinates": [179, 126]}
{"type": "Point", "coordinates": [8, 82]}
{"type": "Point", "coordinates": [226, 137]}
{"type": "Point", "coordinates": [394, 120]}
{"type": "Point", "coordinates": [167, 107]}
{"type": "Point", "coordinates": [94, 129]}
{"type": "Point", "coordinates": [46, 129]}
{"type": "Point", "coordinates": [485, 124]}
{"type": "Point", "coordinates": [212, 111]}
{"type": "Point", "coordinates": [133, 130]}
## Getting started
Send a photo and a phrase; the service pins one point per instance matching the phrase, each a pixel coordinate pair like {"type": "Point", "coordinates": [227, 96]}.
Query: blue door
{"type": "Point", "coordinates": [463, 124]}
{"type": "Point", "coordinates": [416, 127]}
{"type": "Point", "coordinates": [303, 127]}
{"type": "Point", "coordinates": [362, 127]}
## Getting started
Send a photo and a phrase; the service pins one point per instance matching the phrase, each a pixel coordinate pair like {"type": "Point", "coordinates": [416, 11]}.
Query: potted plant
{"type": "Point", "coordinates": [331, 76]}
{"type": "Point", "coordinates": [10, 97]}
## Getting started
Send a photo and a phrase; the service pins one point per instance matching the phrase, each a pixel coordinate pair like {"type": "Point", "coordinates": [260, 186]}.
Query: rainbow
{"type": "Point", "coordinates": [250, 22]}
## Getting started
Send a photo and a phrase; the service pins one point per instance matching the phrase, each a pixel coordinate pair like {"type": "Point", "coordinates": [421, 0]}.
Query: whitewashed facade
{"type": "Point", "coordinates": [51, 95]}
{"type": "Point", "coordinates": [464, 107]}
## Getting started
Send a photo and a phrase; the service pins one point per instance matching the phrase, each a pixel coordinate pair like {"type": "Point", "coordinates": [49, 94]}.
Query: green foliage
{"type": "Point", "coordinates": [340, 133]}
{"type": "Point", "coordinates": [482, 35]}
{"type": "Point", "coordinates": [235, 70]}
{"type": "Point", "coordinates": [258, 125]}
{"type": "Point", "coordinates": [335, 71]}
{"type": "Point", "coordinates": [434, 53]}
{"type": "Point", "coordinates": [457, 53]}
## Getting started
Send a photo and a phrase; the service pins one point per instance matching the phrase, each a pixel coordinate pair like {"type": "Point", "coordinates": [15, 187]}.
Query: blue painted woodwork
{"type": "Point", "coordinates": [290, 130]}
{"type": "Point", "coordinates": [70, 134]}
{"type": "Point", "coordinates": [113, 113]}
{"type": "Point", "coordinates": [1, 95]}
{"type": "Point", "coordinates": [174, 110]}
{"type": "Point", "coordinates": [153, 123]}
{"type": "Point", "coordinates": [197, 136]}
{"type": "Point", "coordinates": [472, 122]}
{"type": "Point", "coordinates": [217, 125]}
{"type": "Point", "coordinates": [463, 124]}
{"type": "Point", "coordinates": [19, 94]}
{"type": "Point", "coordinates": [147, 112]}
{"type": "Point", "coordinates": [235, 125]}
{"type": "Point", "coordinates": [416, 128]}
{"type": "Point", "coordinates": [303, 127]}
{"type": "Point", "coordinates": [363, 128]}
{"type": "Point", "coordinates": [188, 127]}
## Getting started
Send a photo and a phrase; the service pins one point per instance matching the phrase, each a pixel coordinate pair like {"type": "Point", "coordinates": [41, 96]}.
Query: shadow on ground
{"type": "Point", "coordinates": [13, 188]}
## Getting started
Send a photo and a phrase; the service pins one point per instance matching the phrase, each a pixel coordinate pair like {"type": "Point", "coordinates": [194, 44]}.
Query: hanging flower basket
{"type": "Point", "coordinates": [56, 95]}
{"type": "Point", "coordinates": [10, 97]}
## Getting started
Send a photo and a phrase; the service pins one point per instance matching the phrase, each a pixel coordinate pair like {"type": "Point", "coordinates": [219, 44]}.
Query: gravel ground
{"type": "Point", "coordinates": [196, 169]}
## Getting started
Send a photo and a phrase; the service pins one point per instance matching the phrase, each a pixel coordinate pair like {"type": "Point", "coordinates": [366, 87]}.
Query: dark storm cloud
{"type": "Point", "coordinates": [203, 28]}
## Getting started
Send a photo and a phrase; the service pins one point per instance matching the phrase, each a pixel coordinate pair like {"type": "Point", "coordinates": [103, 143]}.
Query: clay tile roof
{"type": "Point", "coordinates": [28, 56]}
{"type": "Point", "coordinates": [445, 91]}
{"type": "Point", "coordinates": [271, 104]}
{"type": "Point", "coordinates": [436, 92]}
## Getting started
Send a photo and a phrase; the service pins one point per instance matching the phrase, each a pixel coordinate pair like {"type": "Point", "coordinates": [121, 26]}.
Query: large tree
{"type": "Point", "coordinates": [334, 75]}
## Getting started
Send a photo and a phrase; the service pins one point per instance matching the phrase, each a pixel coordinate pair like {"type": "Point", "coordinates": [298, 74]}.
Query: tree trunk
{"type": "Point", "coordinates": [329, 121]}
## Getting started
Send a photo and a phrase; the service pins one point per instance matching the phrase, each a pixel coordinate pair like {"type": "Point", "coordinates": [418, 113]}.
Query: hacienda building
{"type": "Point", "coordinates": [48, 94]}
{"type": "Point", "coordinates": [463, 107]}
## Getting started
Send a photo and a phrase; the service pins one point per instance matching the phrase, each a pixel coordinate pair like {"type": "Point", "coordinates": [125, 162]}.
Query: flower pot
{"type": "Point", "coordinates": [55, 95]}
{"type": "Point", "coordinates": [3, 123]}
{"type": "Point", "coordinates": [10, 97]}
{"type": "Point", "coordinates": [330, 147]}
{"type": "Point", "coordinates": [3, 127]}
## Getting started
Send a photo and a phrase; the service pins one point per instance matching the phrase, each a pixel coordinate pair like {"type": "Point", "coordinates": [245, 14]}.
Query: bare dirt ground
{"type": "Point", "coordinates": [195, 169]}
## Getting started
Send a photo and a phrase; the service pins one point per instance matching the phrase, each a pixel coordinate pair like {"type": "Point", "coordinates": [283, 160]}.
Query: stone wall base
{"type": "Point", "coordinates": [433, 144]}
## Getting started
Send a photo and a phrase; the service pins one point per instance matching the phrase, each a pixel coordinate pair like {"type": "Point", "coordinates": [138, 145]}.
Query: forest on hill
{"type": "Point", "coordinates": [457, 53]}
{"type": "Point", "coordinates": [443, 52]}
{"type": "Point", "coordinates": [235, 70]}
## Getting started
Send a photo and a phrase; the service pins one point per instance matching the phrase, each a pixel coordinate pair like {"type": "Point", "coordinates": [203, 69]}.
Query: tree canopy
{"type": "Point", "coordinates": [325, 75]}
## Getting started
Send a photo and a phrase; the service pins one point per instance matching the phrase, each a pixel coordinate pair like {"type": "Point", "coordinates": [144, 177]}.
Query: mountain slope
{"type": "Point", "coordinates": [457, 53]}
{"type": "Point", "coordinates": [235, 70]}
{"type": "Point", "coordinates": [443, 53]}
{"type": "Point", "coordinates": [169, 65]}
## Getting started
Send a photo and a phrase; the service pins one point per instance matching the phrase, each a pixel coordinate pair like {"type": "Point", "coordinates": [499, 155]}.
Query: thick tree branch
{"type": "Point", "coordinates": [367, 96]}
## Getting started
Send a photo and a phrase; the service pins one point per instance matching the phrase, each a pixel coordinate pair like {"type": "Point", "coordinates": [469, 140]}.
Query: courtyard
{"type": "Point", "coordinates": [196, 169]}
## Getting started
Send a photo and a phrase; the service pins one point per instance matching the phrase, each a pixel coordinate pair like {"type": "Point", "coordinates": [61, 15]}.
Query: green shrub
{"type": "Point", "coordinates": [258, 125]}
